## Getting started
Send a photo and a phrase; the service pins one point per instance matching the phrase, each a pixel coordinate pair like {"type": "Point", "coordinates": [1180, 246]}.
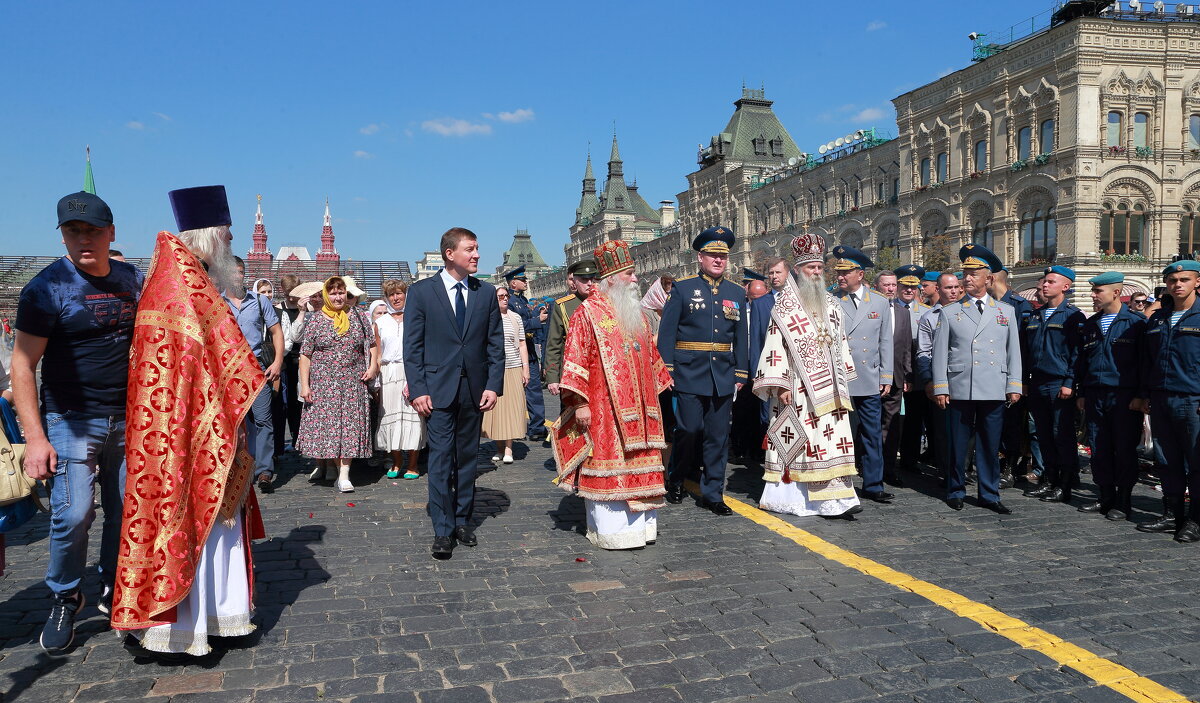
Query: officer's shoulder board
{"type": "Point", "coordinates": [687, 278]}
{"type": "Point", "coordinates": [565, 299]}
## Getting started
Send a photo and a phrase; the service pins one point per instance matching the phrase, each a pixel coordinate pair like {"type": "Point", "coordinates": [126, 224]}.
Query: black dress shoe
{"type": "Point", "coordinates": [675, 494]}
{"type": "Point", "coordinates": [1116, 514]}
{"type": "Point", "coordinates": [894, 480]}
{"type": "Point", "coordinates": [996, 507]}
{"type": "Point", "coordinates": [1006, 480]}
{"type": "Point", "coordinates": [1091, 507]}
{"type": "Point", "coordinates": [1164, 523]}
{"type": "Point", "coordinates": [717, 508]}
{"type": "Point", "coordinates": [878, 496]}
{"type": "Point", "coordinates": [443, 547]}
{"type": "Point", "coordinates": [1190, 532]}
{"type": "Point", "coordinates": [1055, 495]}
{"type": "Point", "coordinates": [465, 536]}
{"type": "Point", "coordinates": [955, 503]}
{"type": "Point", "coordinates": [1039, 491]}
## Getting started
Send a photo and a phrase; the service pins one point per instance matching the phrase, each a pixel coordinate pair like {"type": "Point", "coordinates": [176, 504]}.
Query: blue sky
{"type": "Point", "coordinates": [413, 117]}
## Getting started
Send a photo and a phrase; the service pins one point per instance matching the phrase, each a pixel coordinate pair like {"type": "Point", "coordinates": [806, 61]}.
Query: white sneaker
{"type": "Point", "coordinates": [345, 486]}
{"type": "Point", "coordinates": [508, 458]}
{"type": "Point", "coordinates": [496, 458]}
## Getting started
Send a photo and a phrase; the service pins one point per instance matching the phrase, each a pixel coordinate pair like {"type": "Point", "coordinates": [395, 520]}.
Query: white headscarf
{"type": "Point", "coordinates": [656, 297]}
{"type": "Point", "coordinates": [377, 303]}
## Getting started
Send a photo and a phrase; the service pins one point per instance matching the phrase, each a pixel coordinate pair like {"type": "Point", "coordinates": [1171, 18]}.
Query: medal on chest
{"type": "Point", "coordinates": [697, 302]}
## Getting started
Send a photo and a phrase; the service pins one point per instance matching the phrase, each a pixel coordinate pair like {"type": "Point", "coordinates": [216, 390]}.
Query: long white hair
{"type": "Point", "coordinates": [627, 304]}
{"type": "Point", "coordinates": [211, 245]}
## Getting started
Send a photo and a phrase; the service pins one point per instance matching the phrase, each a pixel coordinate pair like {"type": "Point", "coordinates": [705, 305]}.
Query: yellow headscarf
{"type": "Point", "coordinates": [341, 321]}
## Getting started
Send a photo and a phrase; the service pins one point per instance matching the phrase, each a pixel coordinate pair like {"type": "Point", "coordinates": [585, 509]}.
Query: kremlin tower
{"type": "Point", "coordinates": [327, 258]}
{"type": "Point", "coordinates": [259, 258]}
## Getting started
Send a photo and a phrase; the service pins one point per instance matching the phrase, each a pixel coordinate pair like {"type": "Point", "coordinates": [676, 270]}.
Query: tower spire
{"type": "Point", "coordinates": [89, 183]}
{"type": "Point", "coordinates": [259, 250]}
{"type": "Point", "coordinates": [327, 252]}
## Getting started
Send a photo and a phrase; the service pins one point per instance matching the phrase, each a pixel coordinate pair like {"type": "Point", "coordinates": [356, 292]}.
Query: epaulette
{"type": "Point", "coordinates": [687, 278]}
{"type": "Point", "coordinates": [565, 298]}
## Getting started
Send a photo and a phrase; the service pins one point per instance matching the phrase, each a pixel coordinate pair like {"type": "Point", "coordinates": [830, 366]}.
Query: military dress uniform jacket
{"type": "Point", "coordinates": [924, 356]}
{"type": "Point", "coordinates": [1110, 360]}
{"type": "Point", "coordinates": [1171, 361]}
{"type": "Point", "coordinates": [904, 342]}
{"type": "Point", "coordinates": [916, 310]}
{"type": "Point", "coordinates": [869, 333]}
{"type": "Point", "coordinates": [702, 336]}
{"type": "Point", "coordinates": [529, 318]}
{"type": "Point", "coordinates": [1052, 345]}
{"type": "Point", "coordinates": [976, 356]}
{"type": "Point", "coordinates": [556, 338]}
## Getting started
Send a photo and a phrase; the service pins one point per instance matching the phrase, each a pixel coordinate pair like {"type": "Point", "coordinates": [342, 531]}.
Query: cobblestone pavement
{"type": "Point", "coordinates": [352, 608]}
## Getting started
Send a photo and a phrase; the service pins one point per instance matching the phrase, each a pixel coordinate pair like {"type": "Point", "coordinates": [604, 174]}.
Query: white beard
{"type": "Point", "coordinates": [627, 305]}
{"type": "Point", "coordinates": [212, 246]}
{"type": "Point", "coordinates": [812, 294]}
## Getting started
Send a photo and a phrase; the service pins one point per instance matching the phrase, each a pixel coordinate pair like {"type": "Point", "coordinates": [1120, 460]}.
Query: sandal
{"type": "Point", "coordinates": [410, 474]}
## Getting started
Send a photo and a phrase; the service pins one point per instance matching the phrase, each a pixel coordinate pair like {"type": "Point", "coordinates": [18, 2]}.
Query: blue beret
{"type": "Point", "coordinates": [1182, 265]}
{"type": "Point", "coordinates": [749, 275]}
{"type": "Point", "coordinates": [909, 275]}
{"type": "Point", "coordinates": [850, 258]}
{"type": "Point", "coordinates": [518, 272]}
{"type": "Point", "coordinates": [1060, 270]}
{"type": "Point", "coordinates": [977, 256]}
{"type": "Point", "coordinates": [1107, 278]}
{"type": "Point", "coordinates": [714, 240]}
{"type": "Point", "coordinates": [200, 208]}
{"type": "Point", "coordinates": [931, 276]}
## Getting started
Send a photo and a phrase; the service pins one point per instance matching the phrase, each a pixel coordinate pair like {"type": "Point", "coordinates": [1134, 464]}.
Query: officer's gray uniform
{"type": "Point", "coordinates": [869, 333]}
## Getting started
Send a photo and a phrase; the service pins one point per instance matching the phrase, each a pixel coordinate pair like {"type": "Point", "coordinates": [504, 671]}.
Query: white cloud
{"type": "Point", "coordinates": [161, 116]}
{"type": "Point", "coordinates": [947, 72]}
{"type": "Point", "coordinates": [455, 127]}
{"type": "Point", "coordinates": [360, 154]}
{"type": "Point", "coordinates": [359, 199]}
{"type": "Point", "coordinates": [521, 115]}
{"type": "Point", "coordinates": [372, 128]}
{"type": "Point", "coordinates": [134, 124]}
{"type": "Point", "coordinates": [869, 115]}
{"type": "Point", "coordinates": [876, 25]}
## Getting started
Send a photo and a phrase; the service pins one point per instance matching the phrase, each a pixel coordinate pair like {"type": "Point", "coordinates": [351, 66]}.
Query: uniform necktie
{"type": "Point", "coordinates": [460, 307]}
{"type": "Point", "coordinates": [854, 299]}
{"type": "Point", "coordinates": [979, 304]}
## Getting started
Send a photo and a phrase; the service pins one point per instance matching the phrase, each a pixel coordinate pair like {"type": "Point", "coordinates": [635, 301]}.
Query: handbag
{"type": "Point", "coordinates": [15, 485]}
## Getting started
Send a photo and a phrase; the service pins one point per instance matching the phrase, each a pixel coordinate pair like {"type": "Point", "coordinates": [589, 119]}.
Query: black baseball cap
{"type": "Point", "coordinates": [85, 207]}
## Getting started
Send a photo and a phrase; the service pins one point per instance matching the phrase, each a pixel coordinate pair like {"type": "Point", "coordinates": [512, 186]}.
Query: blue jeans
{"type": "Point", "coordinates": [89, 448]}
{"type": "Point", "coordinates": [260, 432]}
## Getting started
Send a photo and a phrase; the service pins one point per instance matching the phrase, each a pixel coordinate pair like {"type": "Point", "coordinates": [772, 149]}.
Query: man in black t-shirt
{"type": "Point", "coordinates": [77, 316]}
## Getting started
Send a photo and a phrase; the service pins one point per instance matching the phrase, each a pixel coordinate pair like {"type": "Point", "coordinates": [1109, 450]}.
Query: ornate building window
{"type": "Point", "coordinates": [1121, 228]}
{"type": "Point", "coordinates": [981, 156]}
{"type": "Point", "coordinates": [943, 167]}
{"type": "Point", "coordinates": [1039, 235]}
{"type": "Point", "coordinates": [1046, 137]}
{"type": "Point", "coordinates": [760, 145]}
{"type": "Point", "coordinates": [1141, 122]}
{"type": "Point", "coordinates": [925, 165]}
{"type": "Point", "coordinates": [776, 146]}
{"type": "Point", "coordinates": [933, 223]}
{"type": "Point", "coordinates": [896, 188]}
{"type": "Point", "coordinates": [981, 224]}
{"type": "Point", "coordinates": [1024, 135]}
{"type": "Point", "coordinates": [1113, 135]}
{"type": "Point", "coordinates": [1189, 234]}
{"type": "Point", "coordinates": [1194, 132]}
{"type": "Point", "coordinates": [889, 237]}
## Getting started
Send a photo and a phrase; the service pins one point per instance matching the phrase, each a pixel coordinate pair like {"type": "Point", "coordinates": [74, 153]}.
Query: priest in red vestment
{"type": "Point", "coordinates": [183, 570]}
{"type": "Point", "coordinates": [609, 439]}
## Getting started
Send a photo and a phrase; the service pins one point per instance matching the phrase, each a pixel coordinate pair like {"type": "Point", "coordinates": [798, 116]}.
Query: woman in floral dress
{"type": "Point", "coordinates": [338, 358]}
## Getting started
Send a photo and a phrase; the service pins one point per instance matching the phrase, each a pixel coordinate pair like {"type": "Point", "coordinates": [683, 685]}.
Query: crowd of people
{"type": "Point", "coordinates": [176, 390]}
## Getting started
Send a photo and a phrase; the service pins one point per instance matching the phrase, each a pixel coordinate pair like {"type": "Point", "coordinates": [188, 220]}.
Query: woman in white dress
{"type": "Point", "coordinates": [401, 428]}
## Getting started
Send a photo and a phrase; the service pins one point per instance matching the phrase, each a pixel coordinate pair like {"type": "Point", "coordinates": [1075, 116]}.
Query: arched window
{"type": "Point", "coordinates": [943, 167]}
{"type": "Point", "coordinates": [889, 236]}
{"type": "Point", "coordinates": [1189, 234]}
{"type": "Point", "coordinates": [1194, 132]}
{"type": "Point", "coordinates": [1039, 235]}
{"type": "Point", "coordinates": [1121, 229]}
{"type": "Point", "coordinates": [1113, 137]}
{"type": "Point", "coordinates": [1141, 122]}
{"type": "Point", "coordinates": [895, 187]}
{"type": "Point", "coordinates": [1023, 145]}
{"type": "Point", "coordinates": [925, 172]}
{"type": "Point", "coordinates": [1046, 138]}
{"type": "Point", "coordinates": [882, 197]}
{"type": "Point", "coordinates": [856, 198]}
{"type": "Point", "coordinates": [981, 155]}
{"type": "Point", "coordinates": [981, 232]}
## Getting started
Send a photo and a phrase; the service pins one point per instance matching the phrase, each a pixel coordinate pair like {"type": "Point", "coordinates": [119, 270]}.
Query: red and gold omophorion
{"type": "Point", "coordinates": [192, 379]}
{"type": "Point", "coordinates": [619, 457]}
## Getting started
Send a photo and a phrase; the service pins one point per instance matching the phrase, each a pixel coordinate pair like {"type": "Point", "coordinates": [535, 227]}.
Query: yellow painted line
{"type": "Point", "coordinates": [1103, 671]}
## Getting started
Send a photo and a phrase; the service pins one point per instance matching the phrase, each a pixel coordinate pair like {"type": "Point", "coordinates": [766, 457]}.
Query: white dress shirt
{"type": "Point", "coordinates": [449, 281]}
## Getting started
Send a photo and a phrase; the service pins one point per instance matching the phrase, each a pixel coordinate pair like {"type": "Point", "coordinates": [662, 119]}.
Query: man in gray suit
{"type": "Point", "coordinates": [868, 319]}
{"type": "Point", "coordinates": [903, 340]}
{"type": "Point", "coordinates": [976, 368]}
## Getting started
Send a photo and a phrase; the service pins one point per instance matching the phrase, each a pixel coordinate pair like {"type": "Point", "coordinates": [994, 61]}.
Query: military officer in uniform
{"type": "Point", "coordinates": [908, 280]}
{"type": "Point", "coordinates": [1018, 425]}
{"type": "Point", "coordinates": [702, 339]}
{"type": "Point", "coordinates": [1051, 348]}
{"type": "Point", "coordinates": [976, 368]}
{"type": "Point", "coordinates": [1172, 387]}
{"type": "Point", "coordinates": [949, 293]}
{"type": "Point", "coordinates": [517, 302]}
{"type": "Point", "coordinates": [869, 333]}
{"type": "Point", "coordinates": [583, 275]}
{"type": "Point", "coordinates": [903, 341]}
{"type": "Point", "coordinates": [1106, 379]}
{"type": "Point", "coordinates": [929, 288]}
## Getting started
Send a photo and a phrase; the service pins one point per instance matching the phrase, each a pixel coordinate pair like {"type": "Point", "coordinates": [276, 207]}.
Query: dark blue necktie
{"type": "Point", "coordinates": [460, 307]}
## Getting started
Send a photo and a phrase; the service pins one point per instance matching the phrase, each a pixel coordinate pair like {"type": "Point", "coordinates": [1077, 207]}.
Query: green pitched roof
{"type": "Point", "coordinates": [589, 204]}
{"type": "Point", "coordinates": [523, 252]}
{"type": "Point", "coordinates": [616, 194]}
{"type": "Point", "coordinates": [754, 134]}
